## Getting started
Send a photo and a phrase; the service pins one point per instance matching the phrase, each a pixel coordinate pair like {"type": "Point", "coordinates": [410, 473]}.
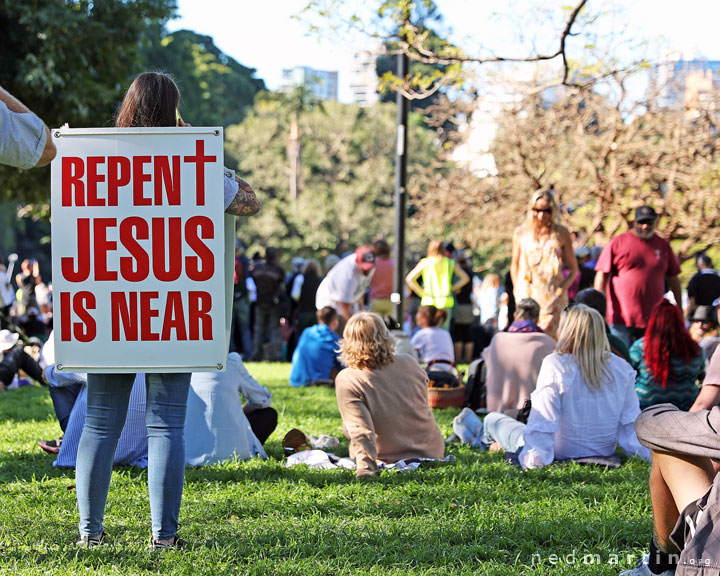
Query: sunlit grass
{"type": "Point", "coordinates": [477, 516]}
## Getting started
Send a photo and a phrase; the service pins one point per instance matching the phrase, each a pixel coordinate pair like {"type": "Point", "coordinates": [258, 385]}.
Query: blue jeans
{"type": "Point", "coordinates": [107, 404]}
{"type": "Point", "coordinates": [504, 430]}
{"type": "Point", "coordinates": [627, 334]}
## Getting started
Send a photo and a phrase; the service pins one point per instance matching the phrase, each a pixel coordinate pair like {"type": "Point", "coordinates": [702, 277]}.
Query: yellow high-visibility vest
{"type": "Point", "coordinates": [437, 280]}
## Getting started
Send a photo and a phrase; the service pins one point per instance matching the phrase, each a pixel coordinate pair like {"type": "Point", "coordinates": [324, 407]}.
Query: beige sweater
{"type": "Point", "coordinates": [386, 414]}
{"type": "Point", "coordinates": [513, 361]}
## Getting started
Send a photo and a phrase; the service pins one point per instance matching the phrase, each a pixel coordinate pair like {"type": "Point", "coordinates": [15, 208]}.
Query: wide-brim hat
{"type": "Point", "coordinates": [7, 340]}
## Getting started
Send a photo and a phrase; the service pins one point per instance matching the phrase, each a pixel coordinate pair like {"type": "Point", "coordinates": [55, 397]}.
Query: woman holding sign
{"type": "Point", "coordinates": [151, 101]}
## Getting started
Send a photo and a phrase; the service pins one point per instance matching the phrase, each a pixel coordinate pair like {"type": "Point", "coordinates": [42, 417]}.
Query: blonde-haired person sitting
{"type": "Point", "coordinates": [383, 398]}
{"type": "Point", "coordinates": [584, 404]}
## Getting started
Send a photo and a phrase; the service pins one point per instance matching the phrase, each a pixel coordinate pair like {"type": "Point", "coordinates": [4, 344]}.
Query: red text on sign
{"type": "Point", "coordinates": [77, 306]}
{"type": "Point", "coordinates": [133, 312]}
{"type": "Point", "coordinates": [167, 237]}
{"type": "Point", "coordinates": [82, 178]}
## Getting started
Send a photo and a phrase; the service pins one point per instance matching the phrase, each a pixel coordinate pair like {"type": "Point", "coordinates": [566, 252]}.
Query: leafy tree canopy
{"type": "Point", "coordinates": [70, 61]}
{"type": "Point", "coordinates": [216, 89]}
{"type": "Point", "coordinates": [348, 155]}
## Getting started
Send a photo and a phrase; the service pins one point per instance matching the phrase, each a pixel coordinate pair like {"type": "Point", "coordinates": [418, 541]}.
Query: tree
{"type": "Point", "coordinates": [293, 104]}
{"type": "Point", "coordinates": [400, 25]}
{"type": "Point", "coordinates": [347, 171]}
{"type": "Point", "coordinates": [216, 89]}
{"type": "Point", "coordinates": [604, 154]}
{"type": "Point", "coordinates": [69, 61]}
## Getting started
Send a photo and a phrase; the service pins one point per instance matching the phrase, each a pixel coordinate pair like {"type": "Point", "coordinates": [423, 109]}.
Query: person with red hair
{"type": "Point", "coordinates": [667, 359]}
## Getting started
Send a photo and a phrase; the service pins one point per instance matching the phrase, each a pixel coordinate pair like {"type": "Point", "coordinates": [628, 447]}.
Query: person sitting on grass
{"type": "Point", "coordinates": [383, 399]}
{"type": "Point", "coordinates": [315, 359]}
{"type": "Point", "coordinates": [667, 359]}
{"type": "Point", "coordinates": [13, 358]}
{"type": "Point", "coordinates": [704, 330]}
{"type": "Point", "coordinates": [431, 341]}
{"type": "Point", "coordinates": [132, 446]}
{"type": "Point", "coordinates": [684, 483]}
{"type": "Point", "coordinates": [597, 301]}
{"type": "Point", "coordinates": [513, 360]}
{"type": "Point", "coordinates": [584, 404]}
{"type": "Point", "coordinates": [217, 425]}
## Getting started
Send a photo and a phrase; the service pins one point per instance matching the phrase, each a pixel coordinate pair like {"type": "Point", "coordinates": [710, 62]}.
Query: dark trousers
{"type": "Point", "coordinates": [63, 399]}
{"type": "Point", "coordinates": [241, 337]}
{"type": "Point", "coordinates": [17, 359]}
{"type": "Point", "coordinates": [267, 322]}
{"type": "Point", "coordinates": [263, 422]}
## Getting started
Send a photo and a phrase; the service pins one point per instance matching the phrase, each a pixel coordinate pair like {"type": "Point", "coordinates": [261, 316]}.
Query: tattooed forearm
{"type": "Point", "coordinates": [245, 202]}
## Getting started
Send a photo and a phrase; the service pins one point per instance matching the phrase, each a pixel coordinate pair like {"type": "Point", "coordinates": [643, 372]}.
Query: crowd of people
{"type": "Point", "coordinates": [575, 342]}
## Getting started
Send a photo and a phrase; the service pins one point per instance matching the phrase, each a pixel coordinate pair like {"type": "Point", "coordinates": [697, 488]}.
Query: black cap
{"type": "Point", "coordinates": [645, 214]}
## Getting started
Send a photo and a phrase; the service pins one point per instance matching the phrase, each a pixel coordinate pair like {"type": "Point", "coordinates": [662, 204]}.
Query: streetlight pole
{"type": "Point", "coordinates": [400, 192]}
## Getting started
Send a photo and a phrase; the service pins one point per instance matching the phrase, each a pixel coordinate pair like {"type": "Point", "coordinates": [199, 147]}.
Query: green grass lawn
{"type": "Point", "coordinates": [477, 516]}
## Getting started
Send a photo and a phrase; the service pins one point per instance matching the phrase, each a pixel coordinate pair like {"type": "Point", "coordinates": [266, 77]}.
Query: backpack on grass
{"type": "Point", "coordinates": [475, 387]}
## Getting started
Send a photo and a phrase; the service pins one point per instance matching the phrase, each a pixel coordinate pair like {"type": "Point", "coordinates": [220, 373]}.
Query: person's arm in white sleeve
{"type": "Point", "coordinates": [539, 435]}
{"type": "Point", "coordinates": [25, 140]}
{"type": "Point", "coordinates": [626, 437]}
{"type": "Point", "coordinates": [257, 395]}
{"type": "Point", "coordinates": [296, 290]}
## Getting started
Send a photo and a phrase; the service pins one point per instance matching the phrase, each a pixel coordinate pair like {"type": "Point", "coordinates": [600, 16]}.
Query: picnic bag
{"type": "Point", "coordinates": [475, 389]}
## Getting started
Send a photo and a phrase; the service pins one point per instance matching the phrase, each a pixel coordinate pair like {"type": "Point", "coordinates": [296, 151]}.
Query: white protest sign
{"type": "Point", "coordinates": [138, 250]}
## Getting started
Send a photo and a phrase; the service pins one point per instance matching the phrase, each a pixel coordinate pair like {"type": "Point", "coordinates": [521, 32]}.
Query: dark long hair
{"type": "Point", "coordinates": [667, 336]}
{"type": "Point", "coordinates": [151, 101]}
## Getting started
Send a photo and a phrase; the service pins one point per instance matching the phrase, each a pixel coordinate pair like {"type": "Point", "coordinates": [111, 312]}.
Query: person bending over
{"type": "Point", "coordinates": [13, 359]}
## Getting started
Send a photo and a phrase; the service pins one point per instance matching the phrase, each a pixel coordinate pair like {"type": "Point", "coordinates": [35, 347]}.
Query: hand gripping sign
{"type": "Point", "coordinates": [138, 246]}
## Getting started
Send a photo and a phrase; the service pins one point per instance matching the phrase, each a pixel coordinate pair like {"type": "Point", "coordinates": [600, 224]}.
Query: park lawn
{"type": "Point", "coordinates": [477, 516]}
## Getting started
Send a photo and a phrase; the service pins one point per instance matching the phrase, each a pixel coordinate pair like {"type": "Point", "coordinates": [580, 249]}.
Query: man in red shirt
{"type": "Point", "coordinates": [631, 271]}
{"type": "Point", "coordinates": [381, 285]}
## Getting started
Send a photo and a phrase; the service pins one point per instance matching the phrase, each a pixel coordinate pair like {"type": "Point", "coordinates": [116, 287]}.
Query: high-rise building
{"type": "Point", "coordinates": [322, 83]}
{"type": "Point", "coordinates": [689, 83]}
{"type": "Point", "coordinates": [364, 80]}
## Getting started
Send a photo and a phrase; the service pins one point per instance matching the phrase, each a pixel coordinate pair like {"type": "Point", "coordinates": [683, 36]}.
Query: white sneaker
{"type": "Point", "coordinates": [467, 426]}
{"type": "Point", "coordinates": [641, 569]}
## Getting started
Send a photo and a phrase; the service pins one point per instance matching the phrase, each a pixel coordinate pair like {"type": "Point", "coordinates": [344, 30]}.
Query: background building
{"type": "Point", "coordinates": [322, 83]}
{"type": "Point", "coordinates": [689, 83]}
{"type": "Point", "coordinates": [364, 80]}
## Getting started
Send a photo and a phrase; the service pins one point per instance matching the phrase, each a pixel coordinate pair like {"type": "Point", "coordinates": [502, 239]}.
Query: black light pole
{"type": "Point", "coordinates": [400, 195]}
